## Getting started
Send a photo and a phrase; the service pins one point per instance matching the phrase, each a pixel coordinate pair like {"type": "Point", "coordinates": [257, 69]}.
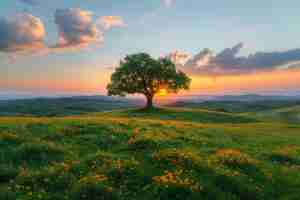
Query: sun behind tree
{"type": "Point", "coordinates": [142, 74]}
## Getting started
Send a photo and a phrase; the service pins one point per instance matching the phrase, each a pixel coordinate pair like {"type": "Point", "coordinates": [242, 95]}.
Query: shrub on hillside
{"type": "Point", "coordinates": [39, 152]}
{"type": "Point", "coordinates": [6, 194]}
{"type": "Point", "coordinates": [7, 138]}
{"type": "Point", "coordinates": [235, 159]}
{"type": "Point", "coordinates": [93, 188]}
{"type": "Point", "coordinates": [142, 144]}
{"type": "Point", "coordinates": [286, 155]}
{"type": "Point", "coordinates": [177, 157]}
{"type": "Point", "coordinates": [7, 173]}
{"type": "Point", "coordinates": [175, 185]}
{"type": "Point", "coordinates": [52, 179]}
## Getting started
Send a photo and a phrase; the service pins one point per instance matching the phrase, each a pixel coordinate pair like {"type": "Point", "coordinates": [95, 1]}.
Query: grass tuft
{"type": "Point", "coordinates": [38, 152]}
{"type": "Point", "coordinates": [287, 155]}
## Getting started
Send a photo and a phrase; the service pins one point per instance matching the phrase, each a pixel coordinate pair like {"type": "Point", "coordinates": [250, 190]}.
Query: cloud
{"type": "Point", "coordinates": [30, 2]}
{"type": "Point", "coordinates": [24, 32]}
{"type": "Point", "coordinates": [76, 28]}
{"type": "Point", "coordinates": [108, 22]}
{"type": "Point", "coordinates": [168, 3]}
{"type": "Point", "coordinates": [179, 57]}
{"type": "Point", "coordinates": [227, 62]}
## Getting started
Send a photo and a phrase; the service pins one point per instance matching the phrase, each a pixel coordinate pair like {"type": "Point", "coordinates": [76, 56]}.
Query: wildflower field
{"type": "Point", "coordinates": [163, 154]}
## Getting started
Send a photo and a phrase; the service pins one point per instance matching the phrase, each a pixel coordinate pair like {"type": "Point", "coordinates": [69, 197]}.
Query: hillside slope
{"type": "Point", "coordinates": [63, 106]}
{"type": "Point", "coordinates": [239, 106]}
{"type": "Point", "coordinates": [164, 154]}
{"type": "Point", "coordinates": [290, 114]}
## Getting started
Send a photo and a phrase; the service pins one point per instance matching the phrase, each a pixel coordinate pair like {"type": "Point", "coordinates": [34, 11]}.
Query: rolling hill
{"type": "Point", "coordinates": [159, 154]}
{"type": "Point", "coordinates": [63, 106]}
{"type": "Point", "coordinates": [290, 114]}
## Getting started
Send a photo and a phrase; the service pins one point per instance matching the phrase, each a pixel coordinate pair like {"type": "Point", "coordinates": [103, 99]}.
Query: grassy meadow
{"type": "Point", "coordinates": [169, 153]}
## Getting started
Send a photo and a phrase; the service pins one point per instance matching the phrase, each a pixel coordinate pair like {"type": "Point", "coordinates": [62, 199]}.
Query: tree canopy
{"type": "Point", "coordinates": [142, 74]}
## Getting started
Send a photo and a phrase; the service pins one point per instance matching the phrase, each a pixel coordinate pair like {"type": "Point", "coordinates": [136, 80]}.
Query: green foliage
{"type": "Point", "coordinates": [91, 188]}
{"type": "Point", "coordinates": [186, 158]}
{"type": "Point", "coordinates": [38, 152]}
{"type": "Point", "coordinates": [7, 173]}
{"type": "Point", "coordinates": [6, 194]}
{"type": "Point", "coordinates": [286, 155]}
{"type": "Point", "coordinates": [142, 144]}
{"type": "Point", "coordinates": [234, 158]}
{"type": "Point", "coordinates": [7, 138]}
{"type": "Point", "coordinates": [54, 178]}
{"type": "Point", "coordinates": [141, 74]}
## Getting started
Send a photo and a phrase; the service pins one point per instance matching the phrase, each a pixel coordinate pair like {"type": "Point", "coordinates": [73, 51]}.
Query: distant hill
{"type": "Point", "coordinates": [255, 97]}
{"type": "Point", "coordinates": [64, 105]}
{"type": "Point", "coordinates": [246, 97]}
{"type": "Point", "coordinates": [289, 114]}
{"type": "Point", "coordinates": [240, 104]}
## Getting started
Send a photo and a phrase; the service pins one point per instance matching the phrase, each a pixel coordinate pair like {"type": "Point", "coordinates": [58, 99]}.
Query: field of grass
{"type": "Point", "coordinates": [160, 154]}
{"type": "Point", "coordinates": [290, 114]}
{"type": "Point", "coordinates": [266, 110]}
{"type": "Point", "coordinates": [238, 106]}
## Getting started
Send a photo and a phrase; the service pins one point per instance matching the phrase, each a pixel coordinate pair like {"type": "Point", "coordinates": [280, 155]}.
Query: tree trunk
{"type": "Point", "coordinates": [149, 102]}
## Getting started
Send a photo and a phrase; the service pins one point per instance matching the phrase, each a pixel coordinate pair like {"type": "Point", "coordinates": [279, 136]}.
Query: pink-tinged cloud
{"type": "Point", "coordinates": [76, 29]}
{"type": "Point", "coordinates": [178, 57]}
{"type": "Point", "coordinates": [22, 33]}
{"type": "Point", "coordinates": [108, 22]}
{"type": "Point", "coordinates": [168, 3]}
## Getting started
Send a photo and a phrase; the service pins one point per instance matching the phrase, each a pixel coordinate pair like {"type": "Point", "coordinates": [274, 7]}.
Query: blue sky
{"type": "Point", "coordinates": [151, 26]}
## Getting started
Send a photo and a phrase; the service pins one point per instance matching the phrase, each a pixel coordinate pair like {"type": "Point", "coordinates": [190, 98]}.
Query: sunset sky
{"type": "Point", "coordinates": [227, 47]}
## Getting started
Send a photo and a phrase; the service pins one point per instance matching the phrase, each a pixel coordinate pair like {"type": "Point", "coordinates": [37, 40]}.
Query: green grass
{"type": "Point", "coordinates": [158, 154]}
{"type": "Point", "coordinates": [185, 114]}
{"type": "Point", "coordinates": [238, 106]}
{"type": "Point", "coordinates": [289, 114]}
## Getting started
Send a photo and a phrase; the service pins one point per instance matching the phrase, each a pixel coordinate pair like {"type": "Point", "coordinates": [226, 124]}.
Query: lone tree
{"type": "Point", "coordinates": [141, 74]}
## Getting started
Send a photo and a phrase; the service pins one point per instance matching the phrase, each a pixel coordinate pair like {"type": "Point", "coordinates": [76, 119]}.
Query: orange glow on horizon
{"type": "Point", "coordinates": [92, 82]}
{"type": "Point", "coordinates": [256, 82]}
{"type": "Point", "coordinates": [162, 92]}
